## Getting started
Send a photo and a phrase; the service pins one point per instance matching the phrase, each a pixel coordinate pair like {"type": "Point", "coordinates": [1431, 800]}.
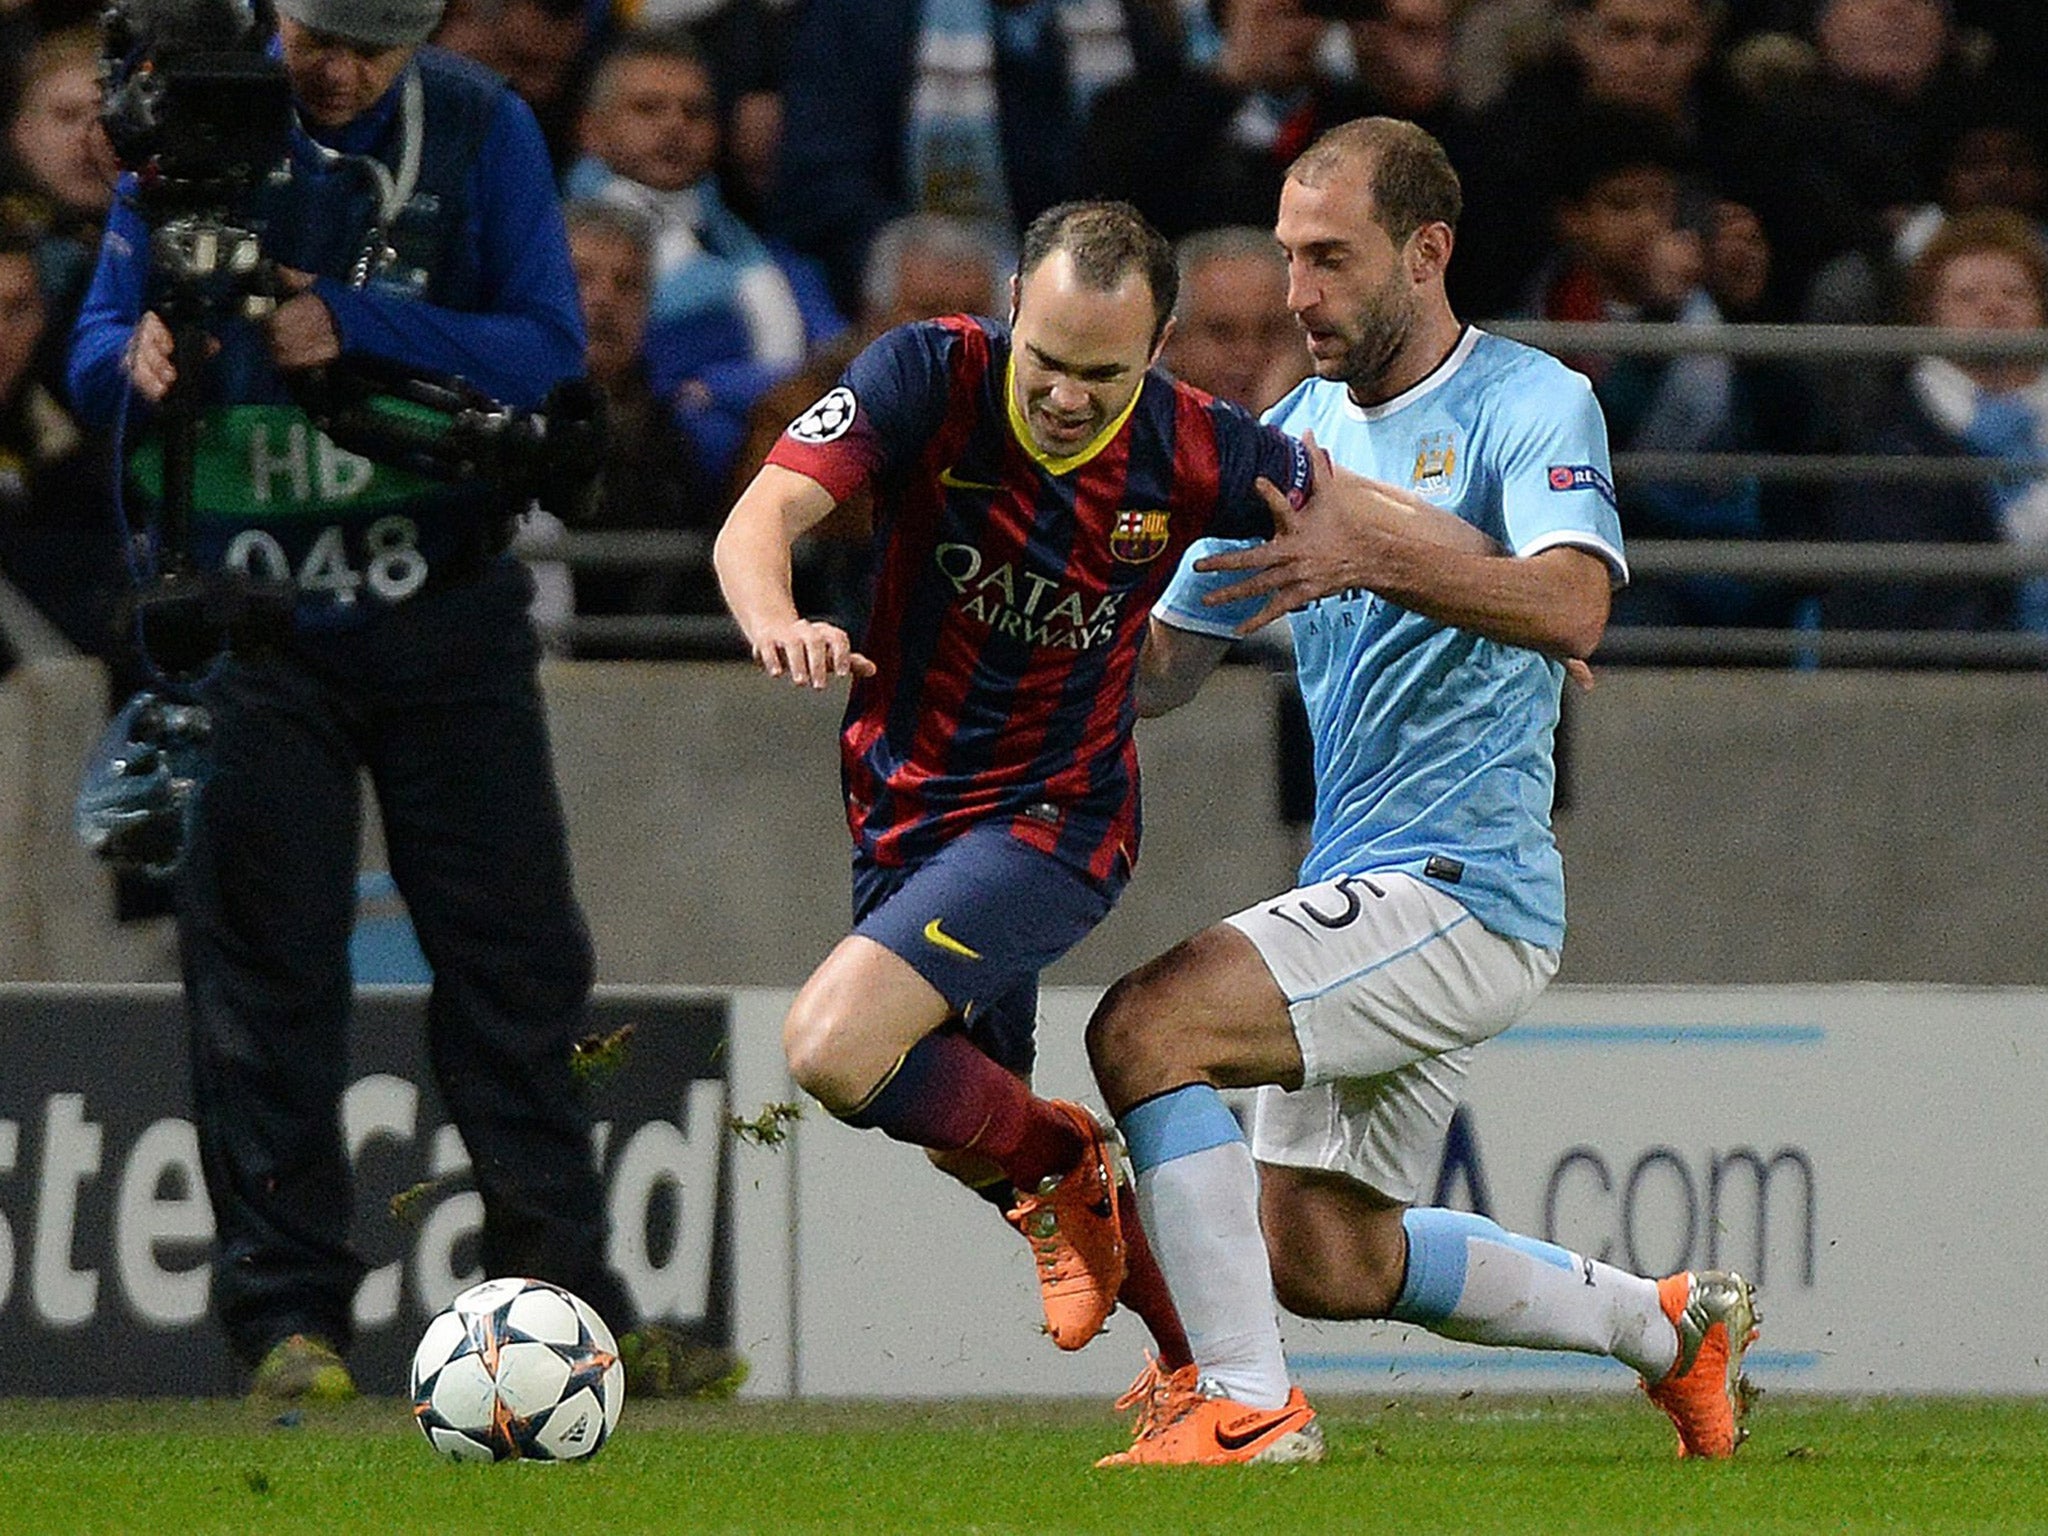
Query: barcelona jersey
{"type": "Point", "coordinates": [1011, 588]}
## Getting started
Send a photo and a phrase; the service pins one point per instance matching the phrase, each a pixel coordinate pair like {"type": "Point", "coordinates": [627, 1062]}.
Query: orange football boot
{"type": "Point", "coordinates": [1705, 1393]}
{"type": "Point", "coordinates": [1071, 1224]}
{"type": "Point", "coordinates": [1190, 1426]}
{"type": "Point", "coordinates": [1148, 1397]}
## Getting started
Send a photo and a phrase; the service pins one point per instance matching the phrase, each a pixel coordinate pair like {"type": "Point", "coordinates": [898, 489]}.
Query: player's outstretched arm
{"type": "Point", "coordinates": [752, 561]}
{"type": "Point", "coordinates": [1354, 532]}
{"type": "Point", "coordinates": [1173, 666]}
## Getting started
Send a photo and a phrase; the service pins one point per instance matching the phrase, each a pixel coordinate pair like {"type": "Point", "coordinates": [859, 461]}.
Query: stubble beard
{"type": "Point", "coordinates": [1382, 330]}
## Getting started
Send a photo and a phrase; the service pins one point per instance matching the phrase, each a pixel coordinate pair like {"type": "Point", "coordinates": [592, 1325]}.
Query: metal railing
{"type": "Point", "coordinates": [1783, 343]}
{"type": "Point", "coordinates": [1810, 565]}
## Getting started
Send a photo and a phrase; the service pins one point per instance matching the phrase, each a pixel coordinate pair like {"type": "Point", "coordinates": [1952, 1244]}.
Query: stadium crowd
{"type": "Point", "coordinates": [756, 187]}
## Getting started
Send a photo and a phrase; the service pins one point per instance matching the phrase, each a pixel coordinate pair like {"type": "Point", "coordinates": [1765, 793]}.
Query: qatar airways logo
{"type": "Point", "coordinates": [1027, 606]}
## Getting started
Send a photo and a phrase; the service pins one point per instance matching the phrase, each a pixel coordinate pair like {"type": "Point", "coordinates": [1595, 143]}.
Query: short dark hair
{"type": "Point", "coordinates": [1106, 241]}
{"type": "Point", "coordinates": [1704, 7]}
{"type": "Point", "coordinates": [1413, 183]}
{"type": "Point", "coordinates": [1612, 141]}
{"type": "Point", "coordinates": [669, 44]}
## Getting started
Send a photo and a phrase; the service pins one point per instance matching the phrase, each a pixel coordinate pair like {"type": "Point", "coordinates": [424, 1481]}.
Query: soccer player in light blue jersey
{"type": "Point", "coordinates": [1430, 910]}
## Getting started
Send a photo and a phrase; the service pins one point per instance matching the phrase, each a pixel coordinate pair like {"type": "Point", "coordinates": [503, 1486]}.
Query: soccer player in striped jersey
{"type": "Point", "coordinates": [1429, 912]}
{"type": "Point", "coordinates": [1035, 485]}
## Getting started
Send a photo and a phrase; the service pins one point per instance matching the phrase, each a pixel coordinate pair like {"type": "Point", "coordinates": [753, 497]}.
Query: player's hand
{"type": "Point", "coordinates": [1580, 674]}
{"type": "Point", "coordinates": [1279, 569]}
{"type": "Point", "coordinates": [809, 653]}
{"type": "Point", "coordinates": [1313, 551]}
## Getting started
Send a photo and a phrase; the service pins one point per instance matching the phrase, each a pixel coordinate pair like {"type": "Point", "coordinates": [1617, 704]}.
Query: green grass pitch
{"type": "Point", "coordinates": [1521, 1465]}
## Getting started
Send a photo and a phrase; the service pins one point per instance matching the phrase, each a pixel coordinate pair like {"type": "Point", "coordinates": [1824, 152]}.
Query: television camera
{"type": "Point", "coordinates": [197, 104]}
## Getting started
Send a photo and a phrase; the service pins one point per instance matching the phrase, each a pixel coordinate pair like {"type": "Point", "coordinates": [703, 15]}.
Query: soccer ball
{"type": "Point", "coordinates": [517, 1369]}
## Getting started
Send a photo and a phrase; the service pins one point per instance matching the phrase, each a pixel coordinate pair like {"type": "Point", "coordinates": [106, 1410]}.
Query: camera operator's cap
{"type": "Point", "coordinates": [380, 23]}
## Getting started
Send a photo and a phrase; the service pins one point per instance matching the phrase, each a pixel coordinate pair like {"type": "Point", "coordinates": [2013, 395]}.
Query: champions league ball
{"type": "Point", "coordinates": [517, 1370]}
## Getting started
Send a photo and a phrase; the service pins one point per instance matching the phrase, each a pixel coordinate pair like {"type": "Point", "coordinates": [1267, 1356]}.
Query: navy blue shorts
{"type": "Point", "coordinates": [979, 920]}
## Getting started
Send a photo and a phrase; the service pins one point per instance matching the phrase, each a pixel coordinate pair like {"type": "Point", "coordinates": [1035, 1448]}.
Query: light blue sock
{"type": "Point", "coordinates": [1471, 1279]}
{"type": "Point", "coordinates": [1198, 1196]}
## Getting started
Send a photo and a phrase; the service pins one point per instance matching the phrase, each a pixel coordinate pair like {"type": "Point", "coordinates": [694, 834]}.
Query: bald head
{"type": "Point", "coordinates": [1402, 166]}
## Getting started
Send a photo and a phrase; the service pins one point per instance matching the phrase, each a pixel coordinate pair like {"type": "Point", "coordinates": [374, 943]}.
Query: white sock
{"type": "Point", "coordinates": [1198, 1196]}
{"type": "Point", "coordinates": [1470, 1279]}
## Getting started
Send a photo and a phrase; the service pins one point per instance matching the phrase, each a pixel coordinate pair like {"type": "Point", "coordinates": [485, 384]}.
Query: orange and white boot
{"type": "Point", "coordinates": [1186, 1423]}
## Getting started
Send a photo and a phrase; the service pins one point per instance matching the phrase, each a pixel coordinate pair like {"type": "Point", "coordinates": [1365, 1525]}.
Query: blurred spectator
{"type": "Point", "coordinates": [919, 267]}
{"type": "Point", "coordinates": [1233, 334]}
{"type": "Point", "coordinates": [1496, 41]}
{"type": "Point", "coordinates": [973, 108]}
{"type": "Point", "coordinates": [729, 314]}
{"type": "Point", "coordinates": [1406, 53]}
{"type": "Point", "coordinates": [57, 544]}
{"type": "Point", "coordinates": [924, 266]}
{"type": "Point", "coordinates": [746, 43]}
{"type": "Point", "coordinates": [1857, 142]}
{"type": "Point", "coordinates": [1651, 57]}
{"type": "Point", "coordinates": [57, 177]}
{"type": "Point", "coordinates": [1623, 254]}
{"type": "Point", "coordinates": [650, 478]}
{"type": "Point", "coordinates": [55, 145]}
{"type": "Point", "coordinates": [1991, 158]}
{"type": "Point", "coordinates": [1985, 270]}
{"type": "Point", "coordinates": [1208, 145]}
{"type": "Point", "coordinates": [539, 46]}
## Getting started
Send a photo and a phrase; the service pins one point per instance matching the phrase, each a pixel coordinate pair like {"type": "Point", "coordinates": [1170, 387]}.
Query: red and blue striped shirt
{"type": "Point", "coordinates": [1012, 589]}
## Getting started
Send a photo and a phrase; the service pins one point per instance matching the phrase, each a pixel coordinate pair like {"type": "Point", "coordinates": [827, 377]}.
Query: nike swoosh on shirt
{"type": "Point", "coordinates": [954, 483]}
{"type": "Point", "coordinates": [938, 936]}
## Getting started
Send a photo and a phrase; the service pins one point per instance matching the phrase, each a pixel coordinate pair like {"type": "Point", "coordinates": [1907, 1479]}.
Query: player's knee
{"type": "Point", "coordinates": [1126, 1048]}
{"type": "Point", "coordinates": [814, 1039]}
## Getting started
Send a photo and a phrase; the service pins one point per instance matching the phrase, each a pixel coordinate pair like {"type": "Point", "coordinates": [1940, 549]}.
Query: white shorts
{"type": "Point", "coordinates": [1390, 983]}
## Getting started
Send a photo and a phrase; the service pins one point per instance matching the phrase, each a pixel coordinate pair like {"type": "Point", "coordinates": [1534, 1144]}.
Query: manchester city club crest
{"type": "Point", "coordinates": [1436, 458]}
{"type": "Point", "coordinates": [1139, 535]}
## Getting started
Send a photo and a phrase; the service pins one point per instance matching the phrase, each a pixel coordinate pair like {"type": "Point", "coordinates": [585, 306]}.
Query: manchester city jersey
{"type": "Point", "coordinates": [1433, 744]}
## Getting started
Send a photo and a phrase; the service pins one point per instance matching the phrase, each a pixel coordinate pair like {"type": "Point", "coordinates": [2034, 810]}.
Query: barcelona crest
{"type": "Point", "coordinates": [1139, 535]}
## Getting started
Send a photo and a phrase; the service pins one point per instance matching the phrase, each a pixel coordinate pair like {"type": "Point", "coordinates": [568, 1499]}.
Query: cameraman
{"type": "Point", "coordinates": [419, 226]}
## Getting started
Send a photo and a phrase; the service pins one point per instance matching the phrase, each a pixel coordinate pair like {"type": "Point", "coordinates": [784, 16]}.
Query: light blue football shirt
{"type": "Point", "coordinates": [1432, 744]}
